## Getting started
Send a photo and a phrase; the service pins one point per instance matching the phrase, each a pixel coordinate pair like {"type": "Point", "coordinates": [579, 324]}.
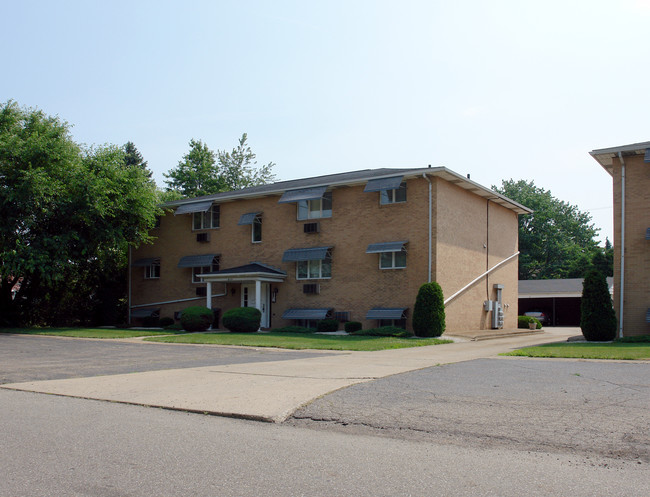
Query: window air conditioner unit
{"type": "Point", "coordinates": [311, 227]}
{"type": "Point", "coordinates": [203, 237]}
{"type": "Point", "coordinates": [201, 291]}
{"type": "Point", "coordinates": [311, 288]}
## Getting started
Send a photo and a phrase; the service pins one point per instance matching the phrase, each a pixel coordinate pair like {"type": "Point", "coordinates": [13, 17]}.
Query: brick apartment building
{"type": "Point", "coordinates": [354, 246]}
{"type": "Point", "coordinates": [629, 166]}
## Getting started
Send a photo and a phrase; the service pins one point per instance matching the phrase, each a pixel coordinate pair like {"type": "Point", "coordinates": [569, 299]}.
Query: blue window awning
{"type": "Point", "coordinates": [380, 184]}
{"type": "Point", "coordinates": [303, 194]}
{"type": "Point", "coordinates": [646, 158]}
{"type": "Point", "coordinates": [306, 313]}
{"type": "Point", "coordinates": [305, 254]}
{"type": "Point", "coordinates": [144, 313]}
{"type": "Point", "coordinates": [145, 262]}
{"type": "Point", "coordinates": [196, 260]}
{"type": "Point", "coordinates": [194, 207]}
{"type": "Point", "coordinates": [647, 234]}
{"type": "Point", "coordinates": [647, 316]}
{"type": "Point", "coordinates": [387, 313]}
{"type": "Point", "coordinates": [378, 248]}
{"type": "Point", "coordinates": [248, 218]}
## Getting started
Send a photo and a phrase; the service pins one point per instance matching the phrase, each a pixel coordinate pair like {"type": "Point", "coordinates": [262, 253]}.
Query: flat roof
{"type": "Point", "coordinates": [357, 178]}
{"type": "Point", "coordinates": [605, 156]}
{"type": "Point", "coordinates": [567, 287]}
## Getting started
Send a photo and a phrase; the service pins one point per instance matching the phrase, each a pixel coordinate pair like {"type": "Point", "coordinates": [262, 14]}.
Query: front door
{"type": "Point", "coordinates": [248, 300]}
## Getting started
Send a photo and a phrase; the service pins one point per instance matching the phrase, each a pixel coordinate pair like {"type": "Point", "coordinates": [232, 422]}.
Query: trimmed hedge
{"type": "Point", "coordinates": [327, 325]}
{"type": "Point", "coordinates": [597, 316]}
{"type": "Point", "coordinates": [522, 322]}
{"type": "Point", "coordinates": [242, 319]}
{"type": "Point", "coordinates": [196, 318]}
{"type": "Point", "coordinates": [634, 339]}
{"type": "Point", "coordinates": [292, 329]}
{"type": "Point", "coordinates": [165, 321]}
{"type": "Point", "coordinates": [352, 326]}
{"type": "Point", "coordinates": [384, 331]}
{"type": "Point", "coordinates": [429, 311]}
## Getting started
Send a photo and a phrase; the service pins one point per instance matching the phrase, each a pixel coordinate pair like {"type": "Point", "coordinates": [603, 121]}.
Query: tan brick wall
{"type": "Point", "coordinates": [357, 283]}
{"type": "Point", "coordinates": [637, 248]}
{"type": "Point", "coordinates": [473, 235]}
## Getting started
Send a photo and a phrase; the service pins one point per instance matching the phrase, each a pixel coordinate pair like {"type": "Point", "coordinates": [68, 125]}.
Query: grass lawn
{"type": "Point", "coordinates": [302, 341]}
{"type": "Point", "coordinates": [615, 350]}
{"type": "Point", "coordinates": [88, 332]}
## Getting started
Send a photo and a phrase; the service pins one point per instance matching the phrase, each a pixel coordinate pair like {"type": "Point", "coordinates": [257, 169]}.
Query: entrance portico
{"type": "Point", "coordinates": [255, 280]}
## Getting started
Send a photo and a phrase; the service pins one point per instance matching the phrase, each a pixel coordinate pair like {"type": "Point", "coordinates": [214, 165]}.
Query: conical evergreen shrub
{"type": "Point", "coordinates": [429, 311]}
{"type": "Point", "coordinates": [597, 316]}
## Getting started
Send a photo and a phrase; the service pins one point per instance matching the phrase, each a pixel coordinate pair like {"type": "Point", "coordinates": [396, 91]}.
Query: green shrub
{"type": "Point", "coordinates": [165, 321]}
{"type": "Point", "coordinates": [242, 319]}
{"type": "Point", "coordinates": [151, 322]}
{"type": "Point", "coordinates": [429, 311]}
{"type": "Point", "coordinates": [352, 326]}
{"type": "Point", "coordinates": [597, 317]}
{"type": "Point", "coordinates": [327, 325]}
{"type": "Point", "coordinates": [174, 326]}
{"type": "Point", "coordinates": [292, 329]}
{"type": "Point", "coordinates": [522, 322]}
{"type": "Point", "coordinates": [196, 318]}
{"type": "Point", "coordinates": [384, 331]}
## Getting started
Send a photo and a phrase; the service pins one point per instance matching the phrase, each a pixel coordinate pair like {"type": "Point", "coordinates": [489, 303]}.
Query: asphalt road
{"type": "Point", "coordinates": [66, 447]}
{"type": "Point", "coordinates": [34, 358]}
{"type": "Point", "coordinates": [590, 408]}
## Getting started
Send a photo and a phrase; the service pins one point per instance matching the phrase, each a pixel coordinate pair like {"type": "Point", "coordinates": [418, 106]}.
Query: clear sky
{"type": "Point", "coordinates": [499, 89]}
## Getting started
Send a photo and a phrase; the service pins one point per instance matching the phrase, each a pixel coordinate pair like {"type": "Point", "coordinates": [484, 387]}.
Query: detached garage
{"type": "Point", "coordinates": [558, 299]}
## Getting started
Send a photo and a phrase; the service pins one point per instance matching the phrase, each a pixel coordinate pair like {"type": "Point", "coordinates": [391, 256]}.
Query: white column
{"type": "Point", "coordinates": [208, 295]}
{"type": "Point", "coordinates": [258, 295]}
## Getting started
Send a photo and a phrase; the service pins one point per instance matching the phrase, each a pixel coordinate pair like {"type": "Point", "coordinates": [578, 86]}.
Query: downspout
{"type": "Point", "coordinates": [622, 245]}
{"type": "Point", "coordinates": [128, 318]}
{"type": "Point", "coordinates": [424, 175]}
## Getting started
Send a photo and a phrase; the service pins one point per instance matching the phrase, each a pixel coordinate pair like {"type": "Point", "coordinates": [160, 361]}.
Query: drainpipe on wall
{"type": "Point", "coordinates": [424, 175]}
{"type": "Point", "coordinates": [622, 245]}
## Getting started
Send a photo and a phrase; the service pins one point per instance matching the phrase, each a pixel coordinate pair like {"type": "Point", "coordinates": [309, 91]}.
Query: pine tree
{"type": "Point", "coordinates": [597, 316]}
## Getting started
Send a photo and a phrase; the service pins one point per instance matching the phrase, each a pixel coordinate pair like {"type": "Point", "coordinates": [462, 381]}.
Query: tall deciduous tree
{"type": "Point", "coordinates": [556, 240]}
{"type": "Point", "coordinates": [67, 215]}
{"type": "Point", "coordinates": [204, 172]}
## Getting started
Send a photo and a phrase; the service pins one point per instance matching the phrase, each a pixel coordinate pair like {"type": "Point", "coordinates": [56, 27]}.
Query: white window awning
{"type": "Point", "coordinates": [248, 218]}
{"type": "Point", "coordinates": [378, 248]}
{"type": "Point", "coordinates": [202, 206]}
{"type": "Point", "coordinates": [381, 184]}
{"type": "Point", "coordinates": [196, 260]}
{"type": "Point", "coordinates": [387, 313]}
{"type": "Point", "coordinates": [305, 254]}
{"type": "Point", "coordinates": [303, 194]}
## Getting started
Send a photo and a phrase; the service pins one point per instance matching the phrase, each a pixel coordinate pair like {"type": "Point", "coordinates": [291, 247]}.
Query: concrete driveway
{"type": "Point", "coordinates": [264, 385]}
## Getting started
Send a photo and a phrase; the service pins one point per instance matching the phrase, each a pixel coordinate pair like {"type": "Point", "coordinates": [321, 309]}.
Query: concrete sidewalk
{"type": "Point", "coordinates": [272, 391]}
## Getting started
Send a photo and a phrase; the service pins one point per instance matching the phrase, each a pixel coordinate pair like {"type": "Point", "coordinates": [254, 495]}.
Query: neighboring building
{"type": "Point", "coordinates": [355, 246]}
{"type": "Point", "coordinates": [559, 299]}
{"type": "Point", "coordinates": [629, 166]}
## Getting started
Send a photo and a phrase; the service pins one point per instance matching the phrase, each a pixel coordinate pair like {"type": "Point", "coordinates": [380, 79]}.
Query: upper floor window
{"type": "Point", "coordinates": [315, 268]}
{"type": "Point", "coordinates": [205, 269]}
{"type": "Point", "coordinates": [257, 229]}
{"type": "Point", "coordinates": [316, 208]}
{"type": "Point", "coordinates": [392, 260]}
{"type": "Point", "coordinates": [394, 196]}
{"type": "Point", "coordinates": [206, 220]}
{"type": "Point", "coordinates": [152, 271]}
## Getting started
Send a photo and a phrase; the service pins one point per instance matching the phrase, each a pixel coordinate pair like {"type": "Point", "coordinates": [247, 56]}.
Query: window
{"type": "Point", "coordinates": [314, 269]}
{"type": "Point", "coordinates": [392, 260]}
{"type": "Point", "coordinates": [204, 269]}
{"type": "Point", "coordinates": [395, 196]}
{"type": "Point", "coordinates": [206, 220]}
{"type": "Point", "coordinates": [152, 271]}
{"type": "Point", "coordinates": [257, 229]}
{"type": "Point", "coordinates": [398, 323]}
{"type": "Point", "coordinates": [316, 208]}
